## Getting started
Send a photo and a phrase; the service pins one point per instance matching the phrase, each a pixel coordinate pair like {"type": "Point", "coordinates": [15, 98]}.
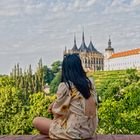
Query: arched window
{"type": "Point", "coordinates": [85, 60]}
{"type": "Point", "coordinates": [88, 61]}
{"type": "Point", "coordinates": [94, 60]}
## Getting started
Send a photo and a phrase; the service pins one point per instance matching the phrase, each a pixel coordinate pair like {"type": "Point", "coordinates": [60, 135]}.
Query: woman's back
{"type": "Point", "coordinates": [76, 117]}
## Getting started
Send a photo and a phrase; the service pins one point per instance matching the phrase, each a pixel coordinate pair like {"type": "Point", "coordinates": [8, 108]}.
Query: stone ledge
{"type": "Point", "coordinates": [44, 137]}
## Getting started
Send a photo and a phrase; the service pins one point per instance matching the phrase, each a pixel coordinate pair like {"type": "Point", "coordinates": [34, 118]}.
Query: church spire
{"type": "Point", "coordinates": [83, 46]}
{"type": "Point", "coordinates": [65, 48]}
{"type": "Point", "coordinates": [75, 40]}
{"type": "Point", "coordinates": [75, 46]}
{"type": "Point", "coordinates": [109, 42]}
{"type": "Point", "coordinates": [83, 37]}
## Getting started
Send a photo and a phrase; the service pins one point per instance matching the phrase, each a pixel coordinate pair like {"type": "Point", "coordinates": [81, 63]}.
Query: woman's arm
{"type": "Point", "coordinates": [61, 105]}
{"type": "Point", "coordinates": [50, 107]}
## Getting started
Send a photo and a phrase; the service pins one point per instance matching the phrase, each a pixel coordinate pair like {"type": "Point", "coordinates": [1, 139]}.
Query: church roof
{"type": "Point", "coordinates": [83, 46]}
{"type": "Point", "coordinates": [75, 48]}
{"type": "Point", "coordinates": [91, 48]}
{"type": "Point", "coordinates": [125, 53]}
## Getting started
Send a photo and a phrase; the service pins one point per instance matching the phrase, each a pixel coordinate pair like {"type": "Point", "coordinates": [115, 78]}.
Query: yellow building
{"type": "Point", "coordinates": [92, 59]}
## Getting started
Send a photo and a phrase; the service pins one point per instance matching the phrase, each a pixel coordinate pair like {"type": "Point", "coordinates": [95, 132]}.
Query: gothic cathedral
{"type": "Point", "coordinates": [92, 59]}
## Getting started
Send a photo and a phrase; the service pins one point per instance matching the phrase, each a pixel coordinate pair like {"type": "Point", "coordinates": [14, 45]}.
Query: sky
{"type": "Point", "coordinates": [34, 29]}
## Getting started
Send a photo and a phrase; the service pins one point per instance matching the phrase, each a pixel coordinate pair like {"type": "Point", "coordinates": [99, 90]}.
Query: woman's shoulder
{"type": "Point", "coordinates": [91, 80]}
{"type": "Point", "coordinates": [62, 87]}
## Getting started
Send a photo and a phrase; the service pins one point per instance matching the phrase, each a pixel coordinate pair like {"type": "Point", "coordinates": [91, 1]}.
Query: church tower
{"type": "Point", "coordinates": [109, 50]}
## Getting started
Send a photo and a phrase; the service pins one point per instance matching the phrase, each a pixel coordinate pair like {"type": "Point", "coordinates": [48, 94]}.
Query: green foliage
{"type": "Point", "coordinates": [56, 67]}
{"type": "Point", "coordinates": [119, 110]}
{"type": "Point", "coordinates": [11, 104]}
{"type": "Point", "coordinates": [17, 112]}
{"type": "Point", "coordinates": [22, 99]}
{"type": "Point", "coordinates": [55, 82]}
{"type": "Point", "coordinates": [30, 83]}
{"type": "Point", "coordinates": [48, 75]}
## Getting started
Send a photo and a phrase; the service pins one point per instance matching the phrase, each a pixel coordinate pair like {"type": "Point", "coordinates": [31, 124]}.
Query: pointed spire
{"type": "Point", "coordinates": [75, 46]}
{"type": "Point", "coordinates": [83, 46]}
{"type": "Point", "coordinates": [74, 40]}
{"type": "Point", "coordinates": [83, 37]}
{"type": "Point", "coordinates": [65, 48]}
{"type": "Point", "coordinates": [109, 48]}
{"type": "Point", "coordinates": [109, 42]}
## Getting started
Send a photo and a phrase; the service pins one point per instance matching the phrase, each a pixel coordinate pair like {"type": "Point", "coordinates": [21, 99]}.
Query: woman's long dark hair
{"type": "Point", "coordinates": [72, 71]}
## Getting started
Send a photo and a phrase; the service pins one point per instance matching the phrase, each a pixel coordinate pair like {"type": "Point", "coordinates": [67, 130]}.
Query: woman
{"type": "Point", "coordinates": [75, 110]}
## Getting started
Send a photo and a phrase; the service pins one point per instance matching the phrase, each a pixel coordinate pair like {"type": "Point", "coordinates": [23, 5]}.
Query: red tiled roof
{"type": "Point", "coordinates": [126, 53]}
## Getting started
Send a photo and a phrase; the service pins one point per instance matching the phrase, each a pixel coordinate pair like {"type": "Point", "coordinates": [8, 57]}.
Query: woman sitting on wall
{"type": "Point", "coordinates": [75, 110]}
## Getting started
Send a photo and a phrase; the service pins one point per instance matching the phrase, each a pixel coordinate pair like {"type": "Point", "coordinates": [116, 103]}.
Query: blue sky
{"type": "Point", "coordinates": [33, 29]}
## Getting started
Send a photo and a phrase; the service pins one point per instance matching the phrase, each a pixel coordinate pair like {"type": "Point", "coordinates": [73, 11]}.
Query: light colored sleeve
{"type": "Point", "coordinates": [61, 105]}
{"type": "Point", "coordinates": [94, 89]}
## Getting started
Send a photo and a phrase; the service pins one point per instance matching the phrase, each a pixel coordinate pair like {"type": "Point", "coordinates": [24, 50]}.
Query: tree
{"type": "Point", "coordinates": [48, 75]}
{"type": "Point", "coordinates": [55, 82]}
{"type": "Point", "coordinates": [56, 66]}
{"type": "Point", "coordinates": [119, 110]}
{"type": "Point", "coordinates": [17, 112]}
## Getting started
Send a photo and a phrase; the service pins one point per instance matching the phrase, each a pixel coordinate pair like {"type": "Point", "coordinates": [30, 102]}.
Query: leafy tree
{"type": "Point", "coordinates": [56, 66]}
{"type": "Point", "coordinates": [17, 112]}
{"type": "Point", "coordinates": [48, 75]}
{"type": "Point", "coordinates": [119, 110]}
{"type": "Point", "coordinates": [55, 82]}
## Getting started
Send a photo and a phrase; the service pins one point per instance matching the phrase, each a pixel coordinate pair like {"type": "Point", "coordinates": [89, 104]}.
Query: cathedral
{"type": "Point", "coordinates": [91, 58]}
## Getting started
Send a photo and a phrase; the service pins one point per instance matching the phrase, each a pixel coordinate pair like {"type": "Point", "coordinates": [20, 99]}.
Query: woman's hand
{"type": "Point", "coordinates": [50, 107]}
{"type": "Point", "coordinates": [50, 110]}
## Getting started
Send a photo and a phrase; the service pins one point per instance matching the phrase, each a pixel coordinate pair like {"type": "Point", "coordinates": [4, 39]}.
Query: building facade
{"type": "Point", "coordinates": [91, 58]}
{"type": "Point", "coordinates": [121, 60]}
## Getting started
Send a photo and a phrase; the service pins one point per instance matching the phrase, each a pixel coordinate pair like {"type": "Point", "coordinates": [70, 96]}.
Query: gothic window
{"type": "Point", "coordinates": [88, 61]}
{"type": "Point", "coordinates": [85, 60]}
{"type": "Point", "coordinates": [99, 61]}
{"type": "Point", "coordinates": [102, 61]}
{"type": "Point", "coordinates": [96, 60]}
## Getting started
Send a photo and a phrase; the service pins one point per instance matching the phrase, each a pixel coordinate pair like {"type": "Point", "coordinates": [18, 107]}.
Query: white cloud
{"type": "Point", "coordinates": [21, 7]}
{"type": "Point", "coordinates": [34, 8]}
{"type": "Point", "coordinates": [74, 5]}
{"type": "Point", "coordinates": [135, 2]}
{"type": "Point", "coordinates": [10, 9]}
{"type": "Point", "coordinates": [90, 2]}
{"type": "Point", "coordinates": [57, 6]}
{"type": "Point", "coordinates": [117, 6]}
